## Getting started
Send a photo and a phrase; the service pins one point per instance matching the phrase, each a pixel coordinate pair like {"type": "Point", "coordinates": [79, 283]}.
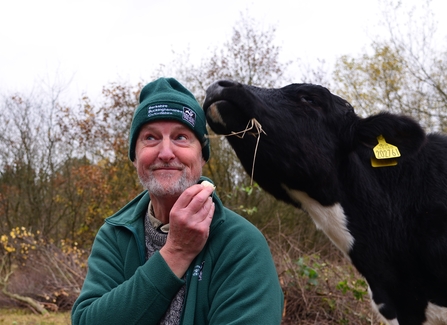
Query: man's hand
{"type": "Point", "coordinates": [189, 227]}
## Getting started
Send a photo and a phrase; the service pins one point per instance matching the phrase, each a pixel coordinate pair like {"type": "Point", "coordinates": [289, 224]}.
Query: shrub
{"type": "Point", "coordinates": [39, 273]}
{"type": "Point", "coordinates": [320, 287]}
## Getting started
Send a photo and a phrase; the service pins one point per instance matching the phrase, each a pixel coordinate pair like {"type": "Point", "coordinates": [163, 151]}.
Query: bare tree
{"type": "Point", "coordinates": [30, 144]}
{"type": "Point", "coordinates": [405, 73]}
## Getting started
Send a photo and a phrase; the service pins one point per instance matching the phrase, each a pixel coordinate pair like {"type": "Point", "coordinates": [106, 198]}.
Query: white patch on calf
{"type": "Point", "coordinates": [435, 315]}
{"type": "Point", "coordinates": [331, 220]}
{"type": "Point", "coordinates": [393, 322]}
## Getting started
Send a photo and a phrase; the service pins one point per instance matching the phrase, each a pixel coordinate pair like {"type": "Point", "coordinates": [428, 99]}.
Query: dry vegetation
{"type": "Point", "coordinates": [25, 317]}
{"type": "Point", "coordinates": [320, 287]}
{"type": "Point", "coordinates": [39, 275]}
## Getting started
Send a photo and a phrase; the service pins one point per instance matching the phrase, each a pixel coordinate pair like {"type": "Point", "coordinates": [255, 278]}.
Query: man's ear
{"type": "Point", "coordinates": [203, 161]}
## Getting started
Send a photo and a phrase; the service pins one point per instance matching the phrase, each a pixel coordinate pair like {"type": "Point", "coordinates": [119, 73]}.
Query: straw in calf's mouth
{"type": "Point", "coordinates": [252, 124]}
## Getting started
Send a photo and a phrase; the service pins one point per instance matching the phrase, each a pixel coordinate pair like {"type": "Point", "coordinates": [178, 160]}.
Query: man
{"type": "Point", "coordinates": [175, 254]}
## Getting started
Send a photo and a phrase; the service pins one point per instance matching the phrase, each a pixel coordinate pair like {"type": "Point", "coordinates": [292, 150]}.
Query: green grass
{"type": "Point", "coordinates": [25, 317]}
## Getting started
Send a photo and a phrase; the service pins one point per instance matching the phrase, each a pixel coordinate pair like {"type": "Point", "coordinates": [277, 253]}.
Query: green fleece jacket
{"type": "Point", "coordinates": [232, 281]}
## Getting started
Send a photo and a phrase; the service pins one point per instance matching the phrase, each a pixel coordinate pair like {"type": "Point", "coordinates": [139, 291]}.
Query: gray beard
{"type": "Point", "coordinates": [155, 188]}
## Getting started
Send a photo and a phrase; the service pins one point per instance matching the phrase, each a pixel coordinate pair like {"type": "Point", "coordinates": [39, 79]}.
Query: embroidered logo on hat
{"type": "Point", "coordinates": [189, 116]}
{"type": "Point", "coordinates": [162, 109]}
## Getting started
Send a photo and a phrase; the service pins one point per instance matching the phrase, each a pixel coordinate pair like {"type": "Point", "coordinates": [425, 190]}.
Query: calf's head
{"type": "Point", "coordinates": [308, 133]}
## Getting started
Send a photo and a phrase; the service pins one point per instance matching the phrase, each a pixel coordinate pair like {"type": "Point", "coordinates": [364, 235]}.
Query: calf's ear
{"type": "Point", "coordinates": [398, 130]}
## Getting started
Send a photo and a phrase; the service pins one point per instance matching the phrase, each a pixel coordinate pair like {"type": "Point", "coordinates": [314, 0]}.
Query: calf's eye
{"type": "Point", "coordinates": [307, 100]}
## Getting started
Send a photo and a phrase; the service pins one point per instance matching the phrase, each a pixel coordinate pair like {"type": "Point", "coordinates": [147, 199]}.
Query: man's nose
{"type": "Point", "coordinates": [166, 150]}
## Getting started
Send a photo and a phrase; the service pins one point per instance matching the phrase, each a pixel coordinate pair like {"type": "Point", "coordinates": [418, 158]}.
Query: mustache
{"type": "Point", "coordinates": [166, 165]}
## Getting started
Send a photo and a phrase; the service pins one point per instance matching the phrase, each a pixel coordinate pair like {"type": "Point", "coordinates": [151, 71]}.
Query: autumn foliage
{"type": "Point", "coordinates": [40, 274]}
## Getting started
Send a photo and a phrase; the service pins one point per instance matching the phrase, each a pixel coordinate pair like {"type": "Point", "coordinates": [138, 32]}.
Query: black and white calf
{"type": "Point", "coordinates": [317, 154]}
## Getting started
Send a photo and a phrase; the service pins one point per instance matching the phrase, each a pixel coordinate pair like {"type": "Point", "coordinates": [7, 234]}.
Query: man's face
{"type": "Point", "coordinates": [168, 158]}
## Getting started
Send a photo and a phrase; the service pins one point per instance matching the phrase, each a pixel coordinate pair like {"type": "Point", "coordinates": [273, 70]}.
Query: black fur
{"type": "Point", "coordinates": [315, 143]}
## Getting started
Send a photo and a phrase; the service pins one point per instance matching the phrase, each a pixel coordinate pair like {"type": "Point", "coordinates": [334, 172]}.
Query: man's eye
{"type": "Point", "coordinates": [147, 137]}
{"type": "Point", "coordinates": [182, 137]}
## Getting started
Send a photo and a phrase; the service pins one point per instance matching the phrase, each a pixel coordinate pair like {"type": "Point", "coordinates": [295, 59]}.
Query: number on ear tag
{"type": "Point", "coordinates": [384, 154]}
{"type": "Point", "coordinates": [385, 150]}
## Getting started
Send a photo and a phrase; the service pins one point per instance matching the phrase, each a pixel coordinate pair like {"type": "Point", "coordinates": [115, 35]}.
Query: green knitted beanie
{"type": "Point", "coordinates": [167, 99]}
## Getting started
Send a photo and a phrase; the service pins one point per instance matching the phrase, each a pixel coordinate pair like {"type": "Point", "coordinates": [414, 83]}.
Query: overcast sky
{"type": "Point", "coordinates": [94, 42]}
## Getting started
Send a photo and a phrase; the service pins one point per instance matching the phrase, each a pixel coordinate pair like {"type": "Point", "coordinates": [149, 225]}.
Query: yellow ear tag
{"type": "Point", "coordinates": [384, 154]}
